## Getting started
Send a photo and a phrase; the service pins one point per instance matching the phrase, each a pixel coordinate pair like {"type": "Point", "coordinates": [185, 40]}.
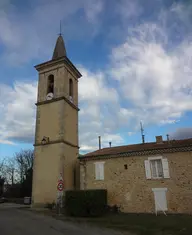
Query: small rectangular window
{"type": "Point", "coordinates": [99, 170]}
{"type": "Point", "coordinates": [50, 85]}
{"type": "Point", "coordinates": [156, 168]}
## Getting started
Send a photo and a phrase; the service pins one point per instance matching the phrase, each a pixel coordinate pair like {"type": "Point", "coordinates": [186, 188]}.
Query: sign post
{"type": "Point", "coordinates": [60, 188]}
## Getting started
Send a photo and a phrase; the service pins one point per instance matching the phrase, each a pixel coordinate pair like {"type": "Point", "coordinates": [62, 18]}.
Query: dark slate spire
{"type": "Point", "coordinates": [60, 50]}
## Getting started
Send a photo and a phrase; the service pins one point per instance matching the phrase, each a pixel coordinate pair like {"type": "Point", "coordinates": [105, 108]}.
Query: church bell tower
{"type": "Point", "coordinates": [56, 135]}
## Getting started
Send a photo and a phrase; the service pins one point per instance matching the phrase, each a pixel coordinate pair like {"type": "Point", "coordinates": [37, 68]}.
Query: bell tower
{"type": "Point", "coordinates": [56, 135]}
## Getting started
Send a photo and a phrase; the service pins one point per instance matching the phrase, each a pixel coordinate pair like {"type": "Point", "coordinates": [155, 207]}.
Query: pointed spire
{"type": "Point", "coordinates": [59, 50]}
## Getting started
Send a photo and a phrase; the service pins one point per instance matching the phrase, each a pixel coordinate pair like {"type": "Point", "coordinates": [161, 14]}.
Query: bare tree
{"type": "Point", "coordinates": [24, 161]}
{"type": "Point", "coordinates": [2, 176]}
{"type": "Point", "coordinates": [2, 168]}
{"type": "Point", "coordinates": [11, 171]}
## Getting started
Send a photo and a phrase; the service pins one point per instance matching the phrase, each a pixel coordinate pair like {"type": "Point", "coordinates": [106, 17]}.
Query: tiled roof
{"type": "Point", "coordinates": [142, 149]}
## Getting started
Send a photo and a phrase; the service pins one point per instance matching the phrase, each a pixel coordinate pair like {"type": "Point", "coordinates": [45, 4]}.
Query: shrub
{"type": "Point", "coordinates": [86, 202]}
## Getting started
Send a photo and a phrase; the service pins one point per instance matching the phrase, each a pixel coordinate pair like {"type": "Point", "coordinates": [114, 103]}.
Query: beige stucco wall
{"type": "Point", "coordinates": [49, 162]}
{"type": "Point", "coordinates": [50, 118]}
{"type": "Point", "coordinates": [70, 124]}
{"type": "Point", "coordinates": [57, 120]}
{"type": "Point", "coordinates": [133, 192]}
{"type": "Point", "coordinates": [70, 158]}
{"type": "Point", "coordinates": [46, 172]}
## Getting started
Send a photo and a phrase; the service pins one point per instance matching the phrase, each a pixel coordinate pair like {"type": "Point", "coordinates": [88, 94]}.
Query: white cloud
{"type": "Point", "coordinates": [129, 9]}
{"type": "Point", "coordinates": [92, 87]}
{"type": "Point", "coordinates": [93, 10]}
{"type": "Point", "coordinates": [155, 81]}
{"type": "Point", "coordinates": [27, 35]}
{"type": "Point", "coordinates": [18, 112]}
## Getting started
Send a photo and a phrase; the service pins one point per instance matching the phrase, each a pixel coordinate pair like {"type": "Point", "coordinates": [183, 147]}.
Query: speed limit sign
{"type": "Point", "coordinates": [60, 186]}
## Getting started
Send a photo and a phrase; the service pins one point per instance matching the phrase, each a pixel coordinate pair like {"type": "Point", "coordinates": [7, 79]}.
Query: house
{"type": "Point", "coordinates": [142, 178]}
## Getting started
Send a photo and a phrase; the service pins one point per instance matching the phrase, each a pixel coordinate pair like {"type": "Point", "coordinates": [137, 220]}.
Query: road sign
{"type": "Point", "coordinates": [60, 185]}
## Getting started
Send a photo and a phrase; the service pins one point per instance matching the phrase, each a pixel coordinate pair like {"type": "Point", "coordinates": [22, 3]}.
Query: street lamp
{"type": "Point", "coordinates": [45, 140]}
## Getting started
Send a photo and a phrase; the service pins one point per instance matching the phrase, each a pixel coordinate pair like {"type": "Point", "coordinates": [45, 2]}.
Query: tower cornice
{"type": "Point", "coordinates": [59, 141]}
{"type": "Point", "coordinates": [64, 60]}
{"type": "Point", "coordinates": [57, 99]}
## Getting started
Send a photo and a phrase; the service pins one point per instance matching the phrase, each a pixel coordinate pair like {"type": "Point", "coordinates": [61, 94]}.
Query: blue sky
{"type": "Point", "coordinates": [134, 55]}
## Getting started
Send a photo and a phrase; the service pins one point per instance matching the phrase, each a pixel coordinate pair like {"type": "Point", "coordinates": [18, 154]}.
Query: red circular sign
{"type": "Point", "coordinates": [60, 186]}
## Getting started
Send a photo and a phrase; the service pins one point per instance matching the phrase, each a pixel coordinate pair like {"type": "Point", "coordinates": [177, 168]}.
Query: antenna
{"type": "Point", "coordinates": [142, 133]}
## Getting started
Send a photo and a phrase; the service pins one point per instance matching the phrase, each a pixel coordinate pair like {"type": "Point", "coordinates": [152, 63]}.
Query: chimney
{"type": "Point", "coordinates": [110, 144]}
{"type": "Point", "coordinates": [99, 142]}
{"type": "Point", "coordinates": [159, 139]}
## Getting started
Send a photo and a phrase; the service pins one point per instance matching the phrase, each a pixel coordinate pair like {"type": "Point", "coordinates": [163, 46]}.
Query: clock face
{"type": "Point", "coordinates": [49, 96]}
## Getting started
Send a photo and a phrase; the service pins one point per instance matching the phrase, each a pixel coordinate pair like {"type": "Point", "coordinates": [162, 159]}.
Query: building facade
{"type": "Point", "coordinates": [143, 178]}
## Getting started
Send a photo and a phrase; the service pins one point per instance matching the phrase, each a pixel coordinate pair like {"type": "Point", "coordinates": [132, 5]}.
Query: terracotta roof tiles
{"type": "Point", "coordinates": [148, 147]}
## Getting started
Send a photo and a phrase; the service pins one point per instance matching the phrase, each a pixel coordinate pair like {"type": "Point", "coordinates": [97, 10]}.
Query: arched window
{"type": "Point", "coordinates": [50, 87]}
{"type": "Point", "coordinates": [70, 87]}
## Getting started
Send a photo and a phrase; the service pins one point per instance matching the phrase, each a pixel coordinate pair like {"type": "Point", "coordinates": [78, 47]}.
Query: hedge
{"type": "Point", "coordinates": [85, 203]}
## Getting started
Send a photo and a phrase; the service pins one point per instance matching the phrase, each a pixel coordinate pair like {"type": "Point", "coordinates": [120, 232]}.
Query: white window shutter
{"type": "Point", "coordinates": [97, 171]}
{"type": "Point", "coordinates": [165, 168]}
{"type": "Point", "coordinates": [147, 169]}
{"type": "Point", "coordinates": [101, 168]}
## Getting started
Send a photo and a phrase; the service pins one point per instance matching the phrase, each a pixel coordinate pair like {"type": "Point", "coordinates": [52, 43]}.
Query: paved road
{"type": "Point", "coordinates": [23, 222]}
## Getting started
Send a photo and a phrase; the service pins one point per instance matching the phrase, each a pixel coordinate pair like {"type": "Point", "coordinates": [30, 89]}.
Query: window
{"type": "Point", "coordinates": [50, 86]}
{"type": "Point", "coordinates": [156, 168]}
{"type": "Point", "coordinates": [99, 170]}
{"type": "Point", "coordinates": [70, 87]}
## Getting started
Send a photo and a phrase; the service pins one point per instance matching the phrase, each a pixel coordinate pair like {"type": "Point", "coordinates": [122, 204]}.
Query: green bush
{"type": "Point", "coordinates": [82, 203]}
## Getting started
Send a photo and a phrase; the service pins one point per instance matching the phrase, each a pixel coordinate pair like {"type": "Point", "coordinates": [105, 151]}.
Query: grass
{"type": "Point", "coordinates": [140, 224]}
{"type": "Point", "coordinates": [145, 224]}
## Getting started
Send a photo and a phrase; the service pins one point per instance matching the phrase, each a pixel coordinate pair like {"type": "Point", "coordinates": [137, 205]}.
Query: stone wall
{"type": "Point", "coordinates": [130, 189]}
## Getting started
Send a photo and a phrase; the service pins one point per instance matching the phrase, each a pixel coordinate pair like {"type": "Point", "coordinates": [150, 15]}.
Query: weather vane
{"type": "Point", "coordinates": [60, 29]}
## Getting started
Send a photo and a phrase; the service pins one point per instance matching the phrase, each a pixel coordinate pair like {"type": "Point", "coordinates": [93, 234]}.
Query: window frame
{"type": "Point", "coordinates": [165, 165]}
{"type": "Point", "coordinates": [156, 168]}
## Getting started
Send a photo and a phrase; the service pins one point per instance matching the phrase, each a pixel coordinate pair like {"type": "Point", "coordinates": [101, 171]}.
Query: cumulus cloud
{"type": "Point", "coordinates": [17, 115]}
{"type": "Point", "coordinates": [182, 133]}
{"type": "Point", "coordinates": [154, 80]}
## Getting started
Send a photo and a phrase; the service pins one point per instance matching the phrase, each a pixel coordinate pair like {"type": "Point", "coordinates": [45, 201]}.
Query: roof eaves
{"type": "Point", "coordinates": [141, 152]}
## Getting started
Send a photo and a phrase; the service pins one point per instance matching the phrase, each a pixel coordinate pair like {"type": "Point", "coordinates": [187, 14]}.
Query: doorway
{"type": "Point", "coordinates": [160, 199]}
